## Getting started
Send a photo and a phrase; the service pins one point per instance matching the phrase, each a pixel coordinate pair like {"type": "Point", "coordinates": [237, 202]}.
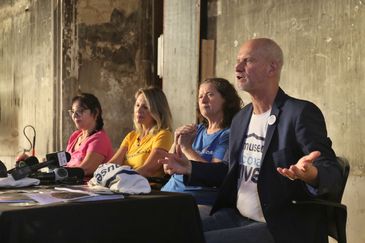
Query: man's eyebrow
{"type": "Point", "coordinates": [239, 59]}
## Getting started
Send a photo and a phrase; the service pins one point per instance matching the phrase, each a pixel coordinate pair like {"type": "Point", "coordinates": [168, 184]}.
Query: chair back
{"type": "Point", "coordinates": [345, 167]}
{"type": "Point", "coordinates": [337, 216]}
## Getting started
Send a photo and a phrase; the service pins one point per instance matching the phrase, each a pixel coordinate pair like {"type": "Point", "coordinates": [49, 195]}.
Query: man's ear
{"type": "Point", "coordinates": [273, 67]}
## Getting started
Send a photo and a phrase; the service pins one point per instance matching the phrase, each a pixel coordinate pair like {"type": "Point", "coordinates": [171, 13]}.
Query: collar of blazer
{"type": "Point", "coordinates": [240, 125]}
{"type": "Point", "coordinates": [275, 111]}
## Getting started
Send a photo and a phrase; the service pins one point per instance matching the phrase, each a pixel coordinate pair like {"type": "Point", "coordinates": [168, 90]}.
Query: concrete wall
{"type": "Point", "coordinates": [103, 48]}
{"type": "Point", "coordinates": [26, 76]}
{"type": "Point", "coordinates": [324, 62]}
{"type": "Point", "coordinates": [181, 58]}
{"type": "Point", "coordinates": [109, 54]}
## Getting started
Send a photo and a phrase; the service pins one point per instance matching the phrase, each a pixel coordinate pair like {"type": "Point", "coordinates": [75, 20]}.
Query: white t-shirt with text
{"type": "Point", "coordinates": [248, 202]}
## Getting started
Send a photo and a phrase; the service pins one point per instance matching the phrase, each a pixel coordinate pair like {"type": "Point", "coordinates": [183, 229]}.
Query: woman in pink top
{"type": "Point", "coordinates": [89, 146]}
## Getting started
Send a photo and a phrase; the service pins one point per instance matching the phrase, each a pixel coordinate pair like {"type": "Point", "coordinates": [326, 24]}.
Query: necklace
{"type": "Point", "coordinates": [140, 139]}
{"type": "Point", "coordinates": [138, 142]}
{"type": "Point", "coordinates": [80, 140]}
{"type": "Point", "coordinates": [142, 136]}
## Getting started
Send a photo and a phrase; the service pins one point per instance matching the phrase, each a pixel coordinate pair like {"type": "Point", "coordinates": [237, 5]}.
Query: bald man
{"type": "Point", "coordinates": [278, 153]}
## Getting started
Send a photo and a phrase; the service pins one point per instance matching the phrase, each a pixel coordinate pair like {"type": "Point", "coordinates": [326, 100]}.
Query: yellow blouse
{"type": "Point", "coordinates": [138, 151]}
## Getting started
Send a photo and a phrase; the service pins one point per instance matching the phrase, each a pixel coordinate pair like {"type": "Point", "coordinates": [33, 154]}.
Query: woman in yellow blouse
{"type": "Point", "coordinates": [152, 137]}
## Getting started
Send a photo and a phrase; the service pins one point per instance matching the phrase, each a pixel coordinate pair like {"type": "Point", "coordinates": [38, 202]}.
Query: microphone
{"type": "Point", "coordinates": [30, 161]}
{"type": "Point", "coordinates": [61, 174]}
{"type": "Point", "coordinates": [57, 159]}
{"type": "Point", "coordinates": [57, 174]}
{"type": "Point", "coordinates": [76, 173]}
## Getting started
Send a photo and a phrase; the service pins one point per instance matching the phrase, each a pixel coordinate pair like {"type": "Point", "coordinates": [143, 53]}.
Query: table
{"type": "Point", "coordinates": [156, 217]}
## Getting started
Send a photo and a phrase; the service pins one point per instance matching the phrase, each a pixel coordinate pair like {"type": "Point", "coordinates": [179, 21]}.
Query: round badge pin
{"type": "Point", "coordinates": [272, 120]}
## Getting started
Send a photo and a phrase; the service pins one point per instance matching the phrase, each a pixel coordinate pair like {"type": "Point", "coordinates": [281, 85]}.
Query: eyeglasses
{"type": "Point", "coordinates": [77, 113]}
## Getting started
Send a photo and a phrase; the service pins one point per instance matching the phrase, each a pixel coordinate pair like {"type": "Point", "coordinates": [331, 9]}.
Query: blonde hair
{"type": "Point", "coordinates": [158, 106]}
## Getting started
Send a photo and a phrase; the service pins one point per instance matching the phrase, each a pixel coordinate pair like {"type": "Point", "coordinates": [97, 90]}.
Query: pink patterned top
{"type": "Point", "coordinates": [98, 142]}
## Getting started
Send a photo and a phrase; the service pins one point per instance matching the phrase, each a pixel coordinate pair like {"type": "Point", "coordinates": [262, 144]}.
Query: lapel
{"type": "Point", "coordinates": [237, 137]}
{"type": "Point", "coordinates": [275, 112]}
{"type": "Point", "coordinates": [238, 133]}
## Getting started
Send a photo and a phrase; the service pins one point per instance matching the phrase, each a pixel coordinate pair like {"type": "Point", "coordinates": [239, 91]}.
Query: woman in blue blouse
{"type": "Point", "coordinates": [206, 142]}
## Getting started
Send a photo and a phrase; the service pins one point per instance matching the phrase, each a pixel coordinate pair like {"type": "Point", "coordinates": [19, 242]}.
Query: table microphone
{"type": "Point", "coordinates": [57, 159]}
{"type": "Point", "coordinates": [62, 157]}
{"type": "Point", "coordinates": [73, 175]}
{"type": "Point", "coordinates": [55, 175]}
{"type": "Point", "coordinates": [30, 161]}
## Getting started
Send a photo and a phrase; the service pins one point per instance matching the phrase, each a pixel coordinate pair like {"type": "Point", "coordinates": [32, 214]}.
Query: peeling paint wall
{"type": "Point", "coordinates": [112, 58]}
{"type": "Point", "coordinates": [26, 76]}
{"type": "Point", "coordinates": [324, 62]}
{"type": "Point", "coordinates": [50, 49]}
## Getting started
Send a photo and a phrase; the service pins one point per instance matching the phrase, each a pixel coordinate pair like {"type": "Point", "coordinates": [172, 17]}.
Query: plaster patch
{"type": "Point", "coordinates": [321, 55]}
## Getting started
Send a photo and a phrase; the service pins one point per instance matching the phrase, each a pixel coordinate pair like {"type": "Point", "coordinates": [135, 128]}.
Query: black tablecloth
{"type": "Point", "coordinates": [156, 217]}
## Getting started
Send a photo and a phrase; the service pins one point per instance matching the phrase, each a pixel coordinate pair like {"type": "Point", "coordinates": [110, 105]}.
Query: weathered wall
{"type": "Point", "coordinates": [110, 56]}
{"type": "Point", "coordinates": [26, 76]}
{"type": "Point", "coordinates": [51, 49]}
{"type": "Point", "coordinates": [324, 62]}
{"type": "Point", "coordinates": [181, 58]}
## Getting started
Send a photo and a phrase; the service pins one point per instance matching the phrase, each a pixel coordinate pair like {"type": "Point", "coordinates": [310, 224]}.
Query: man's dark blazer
{"type": "Point", "coordinates": [298, 130]}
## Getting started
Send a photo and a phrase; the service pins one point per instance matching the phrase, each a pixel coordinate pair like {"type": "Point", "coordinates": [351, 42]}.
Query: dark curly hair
{"type": "Point", "coordinates": [89, 101]}
{"type": "Point", "coordinates": [232, 101]}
